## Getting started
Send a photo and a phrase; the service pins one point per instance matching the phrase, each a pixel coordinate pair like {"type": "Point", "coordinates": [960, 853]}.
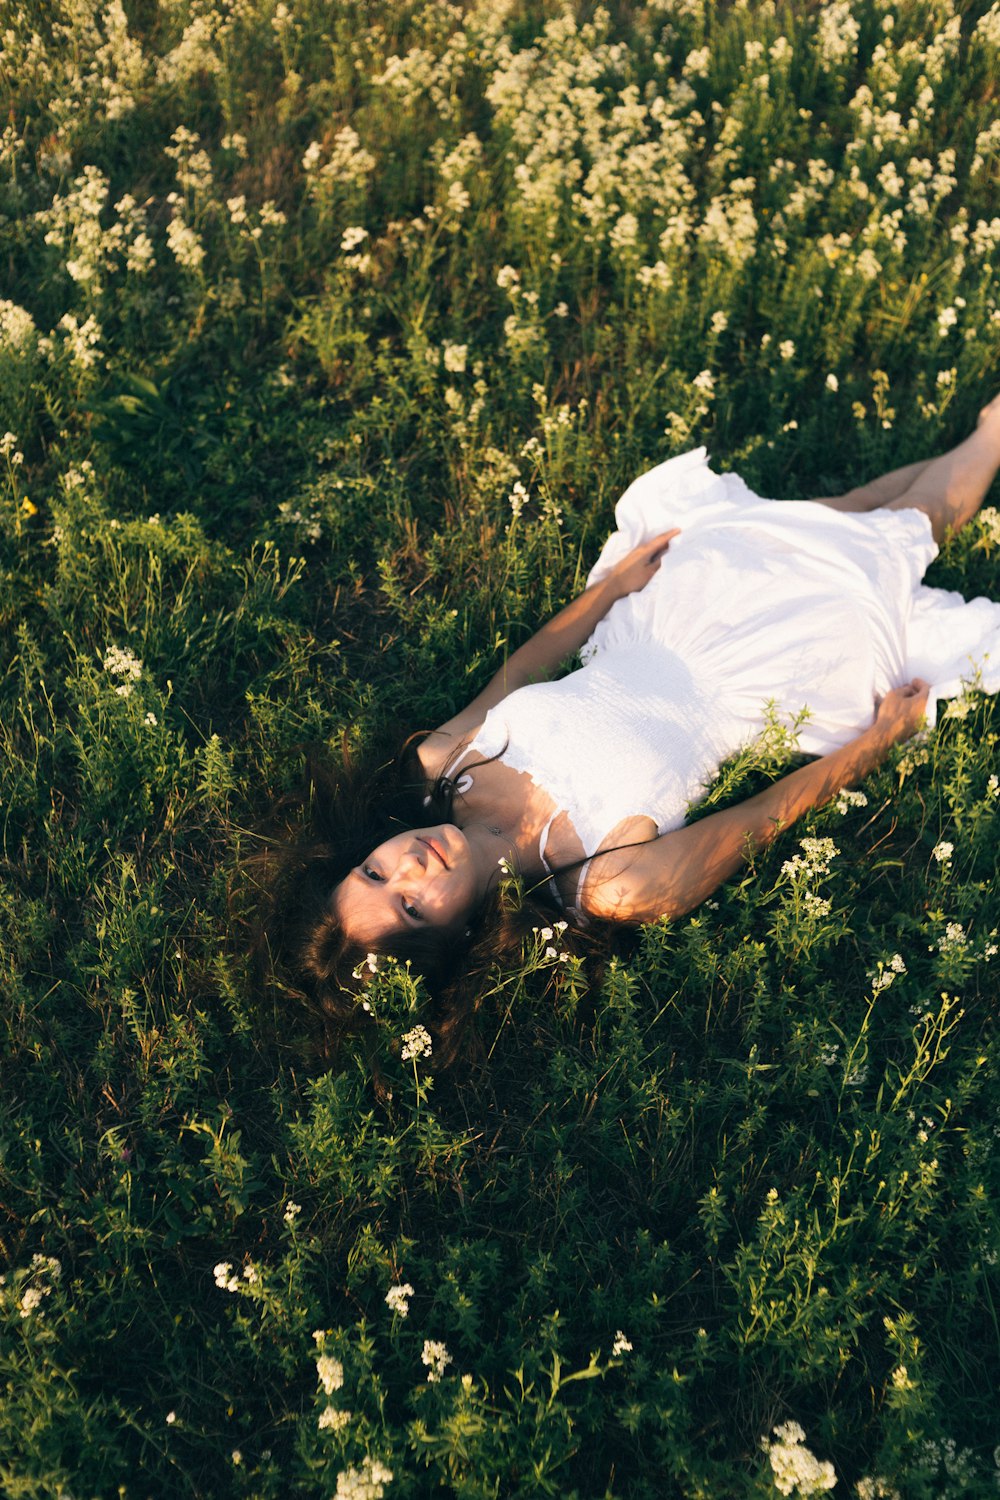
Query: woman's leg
{"type": "Point", "coordinates": [950, 489]}
{"type": "Point", "coordinates": [878, 491]}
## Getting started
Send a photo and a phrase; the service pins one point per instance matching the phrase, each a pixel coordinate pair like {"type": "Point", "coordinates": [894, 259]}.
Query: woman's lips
{"type": "Point", "coordinates": [435, 850]}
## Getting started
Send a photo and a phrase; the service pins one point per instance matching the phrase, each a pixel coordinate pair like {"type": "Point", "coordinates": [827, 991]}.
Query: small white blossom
{"type": "Point", "coordinates": [170, 1418]}
{"type": "Point", "coordinates": [455, 357]}
{"type": "Point", "coordinates": [292, 1211]}
{"type": "Point", "coordinates": [353, 237]}
{"type": "Point", "coordinates": [237, 1457]}
{"type": "Point", "coordinates": [942, 852]}
{"type": "Point", "coordinates": [436, 1356]}
{"type": "Point", "coordinates": [517, 498]}
{"type": "Point", "coordinates": [832, 383]}
{"type": "Point", "coordinates": [848, 799]}
{"type": "Point", "coordinates": [330, 1373]}
{"type": "Point", "coordinates": [332, 1420]}
{"type": "Point", "coordinates": [224, 1277]}
{"type": "Point", "coordinates": [416, 1044]}
{"type": "Point", "coordinates": [621, 1344]}
{"type": "Point", "coordinates": [787, 349]}
{"type": "Point", "coordinates": [794, 1468]}
{"type": "Point", "coordinates": [366, 1483]}
{"type": "Point", "coordinates": [397, 1298]}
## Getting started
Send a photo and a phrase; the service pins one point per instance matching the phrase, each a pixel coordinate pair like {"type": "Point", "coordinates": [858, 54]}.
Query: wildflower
{"type": "Point", "coordinates": [719, 322]}
{"type": "Point", "coordinates": [352, 237]}
{"type": "Point", "coordinates": [292, 1211]}
{"type": "Point", "coordinates": [705, 381]}
{"type": "Point", "coordinates": [814, 859]}
{"type": "Point", "coordinates": [847, 799]}
{"type": "Point", "coordinates": [436, 1356]}
{"type": "Point", "coordinates": [330, 1373]}
{"type": "Point", "coordinates": [943, 851]}
{"type": "Point", "coordinates": [32, 1299]}
{"type": "Point", "coordinates": [224, 1279]}
{"type": "Point", "coordinates": [517, 498]}
{"type": "Point", "coordinates": [993, 786]}
{"type": "Point", "coordinates": [621, 1344]}
{"type": "Point", "coordinates": [237, 1457]}
{"type": "Point", "coordinates": [370, 962]}
{"type": "Point", "coordinates": [332, 1420]}
{"type": "Point", "coordinates": [416, 1044]}
{"type": "Point", "coordinates": [787, 349]}
{"type": "Point", "coordinates": [237, 208]}
{"type": "Point", "coordinates": [954, 936]}
{"type": "Point", "coordinates": [560, 310]}
{"type": "Point", "coordinates": [170, 1418]}
{"type": "Point", "coordinates": [832, 383]}
{"type": "Point", "coordinates": [366, 1483]}
{"type": "Point", "coordinates": [397, 1298]}
{"type": "Point", "coordinates": [151, 720]}
{"type": "Point", "coordinates": [120, 662]}
{"type": "Point", "coordinates": [455, 356]}
{"type": "Point", "coordinates": [795, 1469]}
{"type": "Point", "coordinates": [187, 248]}
{"type": "Point", "coordinates": [507, 277]}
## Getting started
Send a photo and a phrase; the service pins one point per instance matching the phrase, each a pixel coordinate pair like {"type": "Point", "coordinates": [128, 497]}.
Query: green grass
{"type": "Point", "coordinates": [257, 472]}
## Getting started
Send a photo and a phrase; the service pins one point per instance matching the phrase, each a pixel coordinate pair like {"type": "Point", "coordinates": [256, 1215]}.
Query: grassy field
{"type": "Point", "coordinates": [329, 335]}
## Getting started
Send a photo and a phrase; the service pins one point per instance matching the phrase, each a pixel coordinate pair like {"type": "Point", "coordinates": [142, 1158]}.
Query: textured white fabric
{"type": "Point", "coordinates": [757, 603]}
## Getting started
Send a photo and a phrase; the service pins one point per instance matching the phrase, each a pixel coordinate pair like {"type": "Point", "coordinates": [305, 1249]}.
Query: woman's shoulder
{"type": "Point", "coordinates": [440, 749]}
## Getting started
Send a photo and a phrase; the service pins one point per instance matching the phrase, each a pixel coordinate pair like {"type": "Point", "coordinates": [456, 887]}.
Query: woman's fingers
{"type": "Point", "coordinates": [660, 543]}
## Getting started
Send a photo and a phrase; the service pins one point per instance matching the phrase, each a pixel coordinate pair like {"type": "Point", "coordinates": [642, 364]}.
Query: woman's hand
{"type": "Point", "coordinates": [901, 712]}
{"type": "Point", "coordinates": [638, 566]}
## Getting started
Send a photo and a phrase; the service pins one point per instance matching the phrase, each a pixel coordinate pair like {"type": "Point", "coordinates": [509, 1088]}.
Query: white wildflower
{"type": "Point", "coordinates": [795, 1469]}
{"type": "Point", "coordinates": [369, 962]}
{"type": "Point", "coordinates": [518, 498]}
{"type": "Point", "coordinates": [787, 349]}
{"type": "Point", "coordinates": [455, 356]}
{"type": "Point", "coordinates": [436, 1356]}
{"type": "Point", "coordinates": [942, 852]}
{"type": "Point", "coordinates": [292, 1211]}
{"type": "Point", "coordinates": [187, 248]}
{"type": "Point", "coordinates": [621, 1344]}
{"type": "Point", "coordinates": [120, 662]}
{"type": "Point", "coordinates": [847, 799]}
{"type": "Point", "coordinates": [397, 1298]}
{"type": "Point", "coordinates": [416, 1044]}
{"type": "Point", "coordinates": [832, 383]}
{"type": "Point", "coordinates": [332, 1420]}
{"type": "Point", "coordinates": [366, 1483]}
{"type": "Point", "coordinates": [330, 1373]}
{"type": "Point", "coordinates": [224, 1278]}
{"type": "Point", "coordinates": [170, 1418]}
{"type": "Point", "coordinates": [353, 237]}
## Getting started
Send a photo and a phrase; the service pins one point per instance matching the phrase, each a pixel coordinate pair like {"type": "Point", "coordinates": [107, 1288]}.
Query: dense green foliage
{"type": "Point", "coordinates": [271, 386]}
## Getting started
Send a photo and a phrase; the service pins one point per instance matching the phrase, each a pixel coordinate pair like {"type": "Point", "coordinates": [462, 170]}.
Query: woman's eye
{"type": "Point", "coordinates": [370, 873]}
{"type": "Point", "coordinates": [411, 910]}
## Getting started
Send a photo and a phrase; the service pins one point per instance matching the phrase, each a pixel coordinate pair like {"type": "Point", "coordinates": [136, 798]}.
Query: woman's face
{"type": "Point", "coordinates": [426, 878]}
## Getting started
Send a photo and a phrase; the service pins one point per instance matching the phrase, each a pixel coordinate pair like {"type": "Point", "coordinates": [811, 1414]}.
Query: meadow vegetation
{"type": "Point", "coordinates": [329, 334]}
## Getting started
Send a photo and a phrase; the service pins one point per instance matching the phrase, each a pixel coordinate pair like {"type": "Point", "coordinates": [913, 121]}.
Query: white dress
{"type": "Point", "coordinates": [759, 607]}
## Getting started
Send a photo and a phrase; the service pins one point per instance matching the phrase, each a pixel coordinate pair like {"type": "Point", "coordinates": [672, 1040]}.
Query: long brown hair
{"type": "Point", "coordinates": [298, 948]}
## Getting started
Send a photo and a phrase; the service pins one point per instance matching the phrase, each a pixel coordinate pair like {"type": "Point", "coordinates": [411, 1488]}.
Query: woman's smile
{"type": "Point", "coordinates": [427, 877]}
{"type": "Point", "coordinates": [433, 847]}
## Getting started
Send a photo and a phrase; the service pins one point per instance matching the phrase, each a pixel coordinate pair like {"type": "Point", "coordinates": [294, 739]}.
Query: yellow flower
{"type": "Point", "coordinates": [27, 509]}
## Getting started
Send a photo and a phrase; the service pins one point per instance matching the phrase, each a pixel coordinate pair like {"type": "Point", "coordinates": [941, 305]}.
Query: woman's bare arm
{"type": "Point", "coordinates": [670, 875]}
{"type": "Point", "coordinates": [564, 634]}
